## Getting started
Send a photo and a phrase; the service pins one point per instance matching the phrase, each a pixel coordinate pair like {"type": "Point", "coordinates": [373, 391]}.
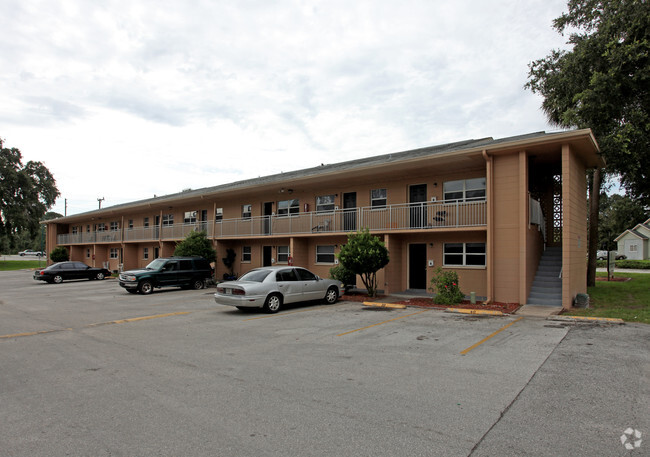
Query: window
{"type": "Point", "coordinates": [130, 224]}
{"type": "Point", "coordinates": [88, 228]}
{"type": "Point", "coordinates": [378, 198]}
{"type": "Point", "coordinates": [246, 254]}
{"type": "Point", "coordinates": [305, 275]}
{"type": "Point", "coordinates": [287, 207]}
{"type": "Point", "coordinates": [101, 227]}
{"type": "Point", "coordinates": [283, 254]}
{"type": "Point", "coordinates": [325, 203]}
{"type": "Point", "coordinates": [167, 219]}
{"type": "Point", "coordinates": [145, 253]}
{"type": "Point", "coordinates": [146, 222]}
{"type": "Point", "coordinates": [115, 226]}
{"type": "Point", "coordinates": [464, 254]}
{"type": "Point", "coordinates": [190, 217]}
{"type": "Point", "coordinates": [286, 275]}
{"type": "Point", "coordinates": [465, 190]}
{"type": "Point", "coordinates": [218, 215]}
{"type": "Point", "coordinates": [114, 253]}
{"type": "Point", "coordinates": [246, 211]}
{"type": "Point", "coordinates": [88, 253]}
{"type": "Point", "coordinates": [634, 248]}
{"type": "Point", "coordinates": [325, 254]}
{"type": "Point", "coordinates": [74, 230]}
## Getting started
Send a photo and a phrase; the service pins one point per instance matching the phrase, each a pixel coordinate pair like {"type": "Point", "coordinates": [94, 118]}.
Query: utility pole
{"type": "Point", "coordinates": [65, 207]}
{"type": "Point", "coordinates": [100, 200]}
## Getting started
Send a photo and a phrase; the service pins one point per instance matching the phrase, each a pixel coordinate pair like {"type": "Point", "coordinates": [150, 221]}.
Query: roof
{"type": "Point", "coordinates": [632, 232]}
{"type": "Point", "coordinates": [487, 144]}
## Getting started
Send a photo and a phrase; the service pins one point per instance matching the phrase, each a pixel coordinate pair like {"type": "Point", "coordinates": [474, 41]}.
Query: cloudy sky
{"type": "Point", "coordinates": [124, 99]}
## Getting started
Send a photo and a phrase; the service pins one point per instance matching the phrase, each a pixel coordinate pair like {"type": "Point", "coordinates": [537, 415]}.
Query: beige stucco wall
{"type": "Point", "coordinates": [574, 227]}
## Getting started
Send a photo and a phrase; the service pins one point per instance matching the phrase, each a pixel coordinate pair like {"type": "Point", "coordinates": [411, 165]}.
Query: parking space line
{"type": "Point", "coordinates": [464, 352]}
{"type": "Point", "coordinates": [381, 323]}
{"type": "Point", "coordinates": [120, 321]}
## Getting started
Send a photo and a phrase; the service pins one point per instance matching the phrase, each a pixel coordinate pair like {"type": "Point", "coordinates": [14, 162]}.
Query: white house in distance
{"type": "Point", "coordinates": [635, 243]}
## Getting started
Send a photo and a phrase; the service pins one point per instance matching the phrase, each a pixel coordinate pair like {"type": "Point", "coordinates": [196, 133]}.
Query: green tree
{"type": "Point", "coordinates": [59, 254]}
{"type": "Point", "coordinates": [617, 214]}
{"type": "Point", "coordinates": [26, 193]}
{"type": "Point", "coordinates": [198, 244]}
{"type": "Point", "coordinates": [603, 83]}
{"type": "Point", "coordinates": [364, 255]}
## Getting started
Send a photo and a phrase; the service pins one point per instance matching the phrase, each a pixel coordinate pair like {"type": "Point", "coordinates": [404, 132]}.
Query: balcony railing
{"type": "Point", "coordinates": [414, 216]}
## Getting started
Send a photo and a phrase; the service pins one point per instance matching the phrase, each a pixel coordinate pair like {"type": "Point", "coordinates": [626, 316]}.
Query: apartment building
{"type": "Point", "coordinates": [492, 209]}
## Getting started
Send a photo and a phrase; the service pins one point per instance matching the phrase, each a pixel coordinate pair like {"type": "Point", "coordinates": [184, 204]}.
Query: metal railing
{"type": "Point", "coordinates": [413, 216]}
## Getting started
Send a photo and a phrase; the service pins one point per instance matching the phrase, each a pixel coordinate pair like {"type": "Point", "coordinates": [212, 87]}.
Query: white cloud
{"type": "Point", "coordinates": [165, 95]}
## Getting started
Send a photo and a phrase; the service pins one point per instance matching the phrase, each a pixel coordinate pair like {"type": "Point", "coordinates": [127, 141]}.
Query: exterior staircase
{"type": "Point", "coordinates": [547, 286]}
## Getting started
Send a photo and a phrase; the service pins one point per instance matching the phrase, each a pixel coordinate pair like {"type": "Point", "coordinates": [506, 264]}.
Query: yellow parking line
{"type": "Point", "coordinates": [490, 336]}
{"type": "Point", "coordinates": [381, 323]}
{"type": "Point", "coordinates": [120, 321]}
{"type": "Point", "coordinates": [136, 319]}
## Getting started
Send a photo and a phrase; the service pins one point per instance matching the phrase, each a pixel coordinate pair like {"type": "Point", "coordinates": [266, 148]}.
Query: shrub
{"type": "Point", "coordinates": [445, 285]}
{"type": "Point", "coordinates": [59, 254]}
{"type": "Point", "coordinates": [364, 255]}
{"type": "Point", "coordinates": [634, 264]}
{"type": "Point", "coordinates": [340, 273]}
{"type": "Point", "coordinates": [196, 244]}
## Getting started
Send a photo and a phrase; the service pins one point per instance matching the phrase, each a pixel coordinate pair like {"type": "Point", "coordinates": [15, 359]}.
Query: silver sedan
{"type": "Point", "coordinates": [271, 287]}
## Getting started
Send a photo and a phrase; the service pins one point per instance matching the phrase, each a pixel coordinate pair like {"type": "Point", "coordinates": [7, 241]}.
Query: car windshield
{"type": "Point", "coordinates": [156, 264]}
{"type": "Point", "coordinates": [255, 275]}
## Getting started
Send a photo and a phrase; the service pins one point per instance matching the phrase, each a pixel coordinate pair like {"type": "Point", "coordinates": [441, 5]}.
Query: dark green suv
{"type": "Point", "coordinates": [186, 272]}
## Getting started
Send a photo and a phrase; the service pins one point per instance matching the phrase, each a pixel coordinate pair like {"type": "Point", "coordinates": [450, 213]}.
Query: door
{"type": "Point", "coordinates": [267, 212]}
{"type": "Point", "coordinates": [267, 256]}
{"type": "Point", "coordinates": [350, 211]}
{"type": "Point", "coordinates": [288, 284]}
{"type": "Point", "coordinates": [156, 228]}
{"type": "Point", "coordinates": [418, 209]}
{"type": "Point", "coordinates": [312, 287]}
{"type": "Point", "coordinates": [169, 273]}
{"type": "Point", "coordinates": [204, 220]}
{"type": "Point", "coordinates": [418, 266]}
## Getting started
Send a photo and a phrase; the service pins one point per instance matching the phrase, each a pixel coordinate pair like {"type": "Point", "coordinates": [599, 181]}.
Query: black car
{"type": "Point", "coordinates": [186, 272]}
{"type": "Point", "coordinates": [57, 272]}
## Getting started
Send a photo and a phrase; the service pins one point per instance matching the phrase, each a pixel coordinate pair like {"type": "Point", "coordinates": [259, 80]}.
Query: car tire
{"type": "Point", "coordinates": [145, 287]}
{"type": "Point", "coordinates": [198, 284]}
{"type": "Point", "coordinates": [273, 303]}
{"type": "Point", "coordinates": [100, 276]}
{"type": "Point", "coordinates": [58, 279]}
{"type": "Point", "coordinates": [331, 296]}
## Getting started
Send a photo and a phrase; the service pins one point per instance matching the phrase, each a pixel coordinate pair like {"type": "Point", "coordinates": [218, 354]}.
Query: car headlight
{"type": "Point", "coordinates": [128, 278]}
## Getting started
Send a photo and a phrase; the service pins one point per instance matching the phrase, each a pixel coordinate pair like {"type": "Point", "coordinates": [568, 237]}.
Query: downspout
{"type": "Point", "coordinates": [490, 224]}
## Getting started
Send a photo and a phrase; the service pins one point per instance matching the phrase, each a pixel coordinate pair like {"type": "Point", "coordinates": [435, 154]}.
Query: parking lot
{"type": "Point", "coordinates": [88, 369]}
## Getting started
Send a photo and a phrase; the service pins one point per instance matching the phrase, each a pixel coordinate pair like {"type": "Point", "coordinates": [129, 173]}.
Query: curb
{"type": "Point", "coordinates": [384, 305]}
{"type": "Point", "coordinates": [473, 311]}
{"type": "Point", "coordinates": [575, 319]}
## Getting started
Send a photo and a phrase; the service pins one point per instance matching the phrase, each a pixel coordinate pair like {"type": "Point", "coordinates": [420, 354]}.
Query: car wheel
{"type": "Point", "coordinates": [58, 279]}
{"type": "Point", "coordinates": [131, 291]}
{"type": "Point", "coordinates": [145, 287]}
{"type": "Point", "coordinates": [273, 303]}
{"type": "Point", "coordinates": [198, 284]}
{"type": "Point", "coordinates": [331, 296]}
{"type": "Point", "coordinates": [100, 276]}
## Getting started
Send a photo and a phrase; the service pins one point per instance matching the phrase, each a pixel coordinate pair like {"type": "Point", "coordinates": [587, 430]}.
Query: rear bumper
{"type": "Point", "coordinates": [242, 301]}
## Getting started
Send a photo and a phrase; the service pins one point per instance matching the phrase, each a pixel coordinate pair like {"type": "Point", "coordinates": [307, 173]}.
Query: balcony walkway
{"type": "Point", "coordinates": [418, 216]}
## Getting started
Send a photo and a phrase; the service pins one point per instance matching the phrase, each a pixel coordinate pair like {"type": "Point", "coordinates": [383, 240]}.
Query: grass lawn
{"type": "Point", "coordinates": [9, 265]}
{"type": "Point", "coordinates": [629, 300]}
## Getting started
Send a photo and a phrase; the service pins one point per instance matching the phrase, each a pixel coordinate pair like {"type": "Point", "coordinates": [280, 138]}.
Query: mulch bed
{"type": "Point", "coordinates": [426, 302]}
{"type": "Point", "coordinates": [614, 279]}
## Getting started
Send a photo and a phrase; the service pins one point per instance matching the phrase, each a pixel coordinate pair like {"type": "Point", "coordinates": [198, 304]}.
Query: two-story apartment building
{"type": "Point", "coordinates": [487, 208]}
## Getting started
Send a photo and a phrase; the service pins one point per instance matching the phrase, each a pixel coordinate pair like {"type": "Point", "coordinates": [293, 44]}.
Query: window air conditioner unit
{"type": "Point", "coordinates": [433, 199]}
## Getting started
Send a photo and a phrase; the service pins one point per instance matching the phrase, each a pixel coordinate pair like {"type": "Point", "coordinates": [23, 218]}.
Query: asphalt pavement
{"type": "Point", "coordinates": [88, 369]}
